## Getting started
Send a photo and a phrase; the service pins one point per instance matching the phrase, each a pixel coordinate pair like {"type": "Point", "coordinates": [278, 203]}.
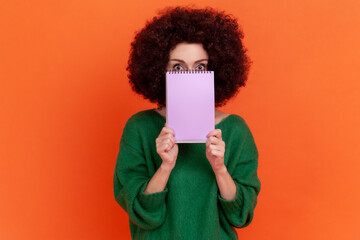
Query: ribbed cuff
{"type": "Point", "coordinates": [152, 202]}
{"type": "Point", "coordinates": [232, 205]}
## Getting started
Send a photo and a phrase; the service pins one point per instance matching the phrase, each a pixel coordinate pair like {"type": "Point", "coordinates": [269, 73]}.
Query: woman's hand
{"type": "Point", "coordinates": [167, 148]}
{"type": "Point", "coordinates": [168, 151]}
{"type": "Point", "coordinates": [215, 151]}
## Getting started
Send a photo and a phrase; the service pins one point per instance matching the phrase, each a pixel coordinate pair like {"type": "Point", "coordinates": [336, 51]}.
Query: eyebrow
{"type": "Point", "coordinates": [182, 61]}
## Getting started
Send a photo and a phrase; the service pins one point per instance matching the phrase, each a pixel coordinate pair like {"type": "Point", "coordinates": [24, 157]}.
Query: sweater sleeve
{"type": "Point", "coordinates": [130, 179]}
{"type": "Point", "coordinates": [243, 169]}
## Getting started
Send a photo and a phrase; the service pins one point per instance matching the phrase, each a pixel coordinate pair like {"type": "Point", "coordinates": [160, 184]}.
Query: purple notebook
{"type": "Point", "coordinates": [190, 105]}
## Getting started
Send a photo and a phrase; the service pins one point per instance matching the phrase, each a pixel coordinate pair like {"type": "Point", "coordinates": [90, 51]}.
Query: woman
{"type": "Point", "coordinates": [187, 191]}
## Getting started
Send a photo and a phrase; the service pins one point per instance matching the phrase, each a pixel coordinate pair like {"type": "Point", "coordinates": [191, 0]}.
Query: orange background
{"type": "Point", "coordinates": [65, 99]}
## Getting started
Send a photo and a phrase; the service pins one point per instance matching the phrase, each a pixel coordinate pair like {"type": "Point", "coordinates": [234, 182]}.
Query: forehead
{"type": "Point", "coordinates": [188, 52]}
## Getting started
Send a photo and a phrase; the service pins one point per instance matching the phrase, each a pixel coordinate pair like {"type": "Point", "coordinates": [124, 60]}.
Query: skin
{"type": "Point", "coordinates": [191, 56]}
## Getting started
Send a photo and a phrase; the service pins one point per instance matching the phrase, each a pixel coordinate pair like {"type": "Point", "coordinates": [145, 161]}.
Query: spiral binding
{"type": "Point", "coordinates": [187, 71]}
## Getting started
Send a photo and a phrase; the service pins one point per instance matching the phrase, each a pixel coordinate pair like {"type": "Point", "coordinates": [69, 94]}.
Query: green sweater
{"type": "Point", "coordinates": [190, 207]}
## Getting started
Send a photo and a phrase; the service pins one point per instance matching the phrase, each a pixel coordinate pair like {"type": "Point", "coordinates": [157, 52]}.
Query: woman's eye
{"type": "Point", "coordinates": [201, 67]}
{"type": "Point", "coordinates": [177, 67]}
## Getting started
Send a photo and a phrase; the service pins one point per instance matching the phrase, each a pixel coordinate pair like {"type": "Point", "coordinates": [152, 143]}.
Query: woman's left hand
{"type": "Point", "coordinates": [215, 150]}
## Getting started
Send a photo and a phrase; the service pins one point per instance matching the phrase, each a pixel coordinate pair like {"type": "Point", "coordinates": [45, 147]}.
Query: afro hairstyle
{"type": "Point", "coordinates": [220, 36]}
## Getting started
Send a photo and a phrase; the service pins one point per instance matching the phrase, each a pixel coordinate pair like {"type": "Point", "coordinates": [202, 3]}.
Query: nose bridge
{"type": "Point", "coordinates": [190, 65]}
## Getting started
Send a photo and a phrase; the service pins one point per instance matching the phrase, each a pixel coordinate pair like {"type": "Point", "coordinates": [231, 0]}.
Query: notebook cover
{"type": "Point", "coordinates": [190, 105]}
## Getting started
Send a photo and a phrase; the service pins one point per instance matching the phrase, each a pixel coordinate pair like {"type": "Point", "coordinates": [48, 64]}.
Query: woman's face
{"type": "Point", "coordinates": [188, 56]}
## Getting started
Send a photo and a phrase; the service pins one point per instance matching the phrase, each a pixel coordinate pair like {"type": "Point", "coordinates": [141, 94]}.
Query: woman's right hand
{"type": "Point", "coordinates": [167, 148]}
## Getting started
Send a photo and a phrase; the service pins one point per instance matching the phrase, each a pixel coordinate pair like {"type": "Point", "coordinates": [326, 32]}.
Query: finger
{"type": "Point", "coordinates": [166, 130]}
{"type": "Point", "coordinates": [166, 140]}
{"type": "Point", "coordinates": [211, 133]}
{"type": "Point", "coordinates": [220, 146]}
{"type": "Point", "coordinates": [213, 140]}
{"type": "Point", "coordinates": [217, 153]}
{"type": "Point", "coordinates": [165, 147]}
{"type": "Point", "coordinates": [164, 137]}
{"type": "Point", "coordinates": [216, 133]}
{"type": "Point", "coordinates": [216, 147]}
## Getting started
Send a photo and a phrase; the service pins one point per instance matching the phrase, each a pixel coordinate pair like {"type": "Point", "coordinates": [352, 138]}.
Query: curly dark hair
{"type": "Point", "coordinates": [220, 36]}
